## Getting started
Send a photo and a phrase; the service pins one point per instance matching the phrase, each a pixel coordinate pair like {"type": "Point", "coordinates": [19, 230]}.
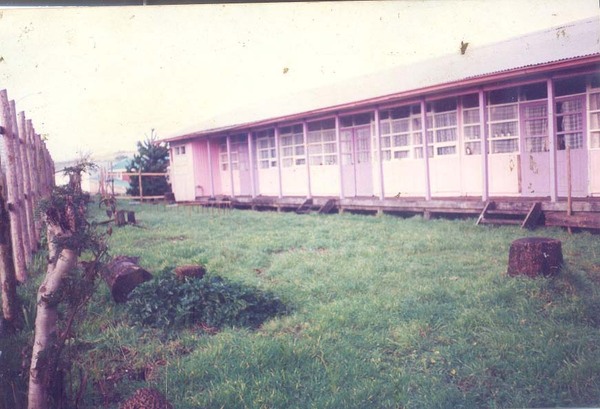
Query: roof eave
{"type": "Point", "coordinates": [469, 82]}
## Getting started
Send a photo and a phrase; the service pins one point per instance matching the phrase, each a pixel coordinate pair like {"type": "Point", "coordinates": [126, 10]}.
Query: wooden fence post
{"type": "Point", "coordinates": [8, 280]}
{"type": "Point", "coordinates": [32, 201]}
{"type": "Point", "coordinates": [20, 202]}
{"type": "Point", "coordinates": [140, 183]}
{"type": "Point", "coordinates": [12, 190]}
{"type": "Point", "coordinates": [26, 215]}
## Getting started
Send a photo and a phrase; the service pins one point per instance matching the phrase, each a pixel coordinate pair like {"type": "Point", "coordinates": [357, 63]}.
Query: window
{"type": "Point", "coordinates": [536, 127]}
{"type": "Point", "coordinates": [569, 123]}
{"type": "Point", "coordinates": [503, 121]}
{"type": "Point", "coordinates": [569, 86]}
{"type": "Point", "coordinates": [400, 130]}
{"type": "Point", "coordinates": [265, 149]}
{"type": "Point", "coordinates": [595, 118]}
{"type": "Point", "coordinates": [532, 92]}
{"type": "Point", "coordinates": [223, 158]}
{"type": "Point", "coordinates": [322, 145]}
{"type": "Point", "coordinates": [441, 126]}
{"type": "Point", "coordinates": [179, 150]}
{"type": "Point", "coordinates": [238, 146]}
{"type": "Point", "coordinates": [471, 124]}
{"type": "Point", "coordinates": [292, 146]}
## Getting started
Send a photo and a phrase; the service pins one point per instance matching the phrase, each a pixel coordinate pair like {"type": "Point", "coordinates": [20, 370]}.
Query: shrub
{"type": "Point", "coordinates": [211, 301]}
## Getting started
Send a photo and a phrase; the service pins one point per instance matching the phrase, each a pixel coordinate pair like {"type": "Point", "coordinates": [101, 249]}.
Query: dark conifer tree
{"type": "Point", "coordinates": [152, 157]}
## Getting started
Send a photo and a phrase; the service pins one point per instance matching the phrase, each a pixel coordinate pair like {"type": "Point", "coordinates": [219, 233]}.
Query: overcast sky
{"type": "Point", "coordinates": [96, 80]}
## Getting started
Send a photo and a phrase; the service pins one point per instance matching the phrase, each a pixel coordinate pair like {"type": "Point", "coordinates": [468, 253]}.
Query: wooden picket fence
{"type": "Point", "coordinates": [27, 176]}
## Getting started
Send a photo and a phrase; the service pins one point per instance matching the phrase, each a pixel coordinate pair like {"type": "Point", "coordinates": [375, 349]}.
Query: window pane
{"type": "Point", "coordinates": [595, 102]}
{"type": "Point", "coordinates": [473, 148]}
{"type": "Point", "coordinates": [595, 120]}
{"type": "Point", "coordinates": [401, 140]}
{"type": "Point", "coordinates": [569, 123]}
{"type": "Point", "coordinates": [503, 113]}
{"type": "Point", "coordinates": [472, 132]}
{"type": "Point", "coordinates": [329, 135]}
{"type": "Point", "coordinates": [536, 111]}
{"type": "Point", "coordinates": [400, 125]}
{"type": "Point", "coordinates": [537, 144]}
{"type": "Point", "coordinates": [573, 140]}
{"type": "Point", "coordinates": [286, 140]}
{"type": "Point", "coordinates": [446, 150]}
{"type": "Point", "coordinates": [503, 129]}
{"type": "Point", "coordinates": [568, 106]}
{"type": "Point", "coordinates": [536, 127]}
{"type": "Point", "coordinates": [534, 91]}
{"type": "Point", "coordinates": [445, 135]}
{"type": "Point", "coordinates": [447, 119]}
{"type": "Point", "coordinates": [471, 116]}
{"type": "Point", "coordinates": [595, 140]}
{"type": "Point", "coordinates": [505, 146]}
{"type": "Point", "coordinates": [400, 154]}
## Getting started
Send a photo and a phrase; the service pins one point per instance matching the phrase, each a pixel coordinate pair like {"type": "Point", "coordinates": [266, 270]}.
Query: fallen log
{"type": "Point", "coordinates": [122, 275]}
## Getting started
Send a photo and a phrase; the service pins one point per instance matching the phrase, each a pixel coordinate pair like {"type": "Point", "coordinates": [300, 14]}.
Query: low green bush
{"type": "Point", "coordinates": [212, 301]}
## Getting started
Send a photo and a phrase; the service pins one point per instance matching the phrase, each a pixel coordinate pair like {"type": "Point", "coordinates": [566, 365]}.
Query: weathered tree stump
{"type": "Point", "coordinates": [130, 217]}
{"type": "Point", "coordinates": [120, 218]}
{"type": "Point", "coordinates": [122, 275]}
{"type": "Point", "coordinates": [193, 271]}
{"type": "Point", "coordinates": [535, 256]}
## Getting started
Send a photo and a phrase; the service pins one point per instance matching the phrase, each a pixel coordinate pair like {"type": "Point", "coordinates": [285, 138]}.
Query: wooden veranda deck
{"type": "Point", "coordinates": [585, 212]}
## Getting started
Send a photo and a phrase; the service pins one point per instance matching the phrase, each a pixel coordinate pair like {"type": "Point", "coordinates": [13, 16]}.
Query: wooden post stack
{"type": "Point", "coordinates": [29, 173]}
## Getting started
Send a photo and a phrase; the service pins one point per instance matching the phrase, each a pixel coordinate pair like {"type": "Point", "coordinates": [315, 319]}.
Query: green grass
{"type": "Point", "coordinates": [386, 313]}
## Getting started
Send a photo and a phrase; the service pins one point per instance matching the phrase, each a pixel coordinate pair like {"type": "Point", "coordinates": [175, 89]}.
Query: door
{"type": "Point", "coordinates": [356, 161]}
{"type": "Point", "coordinates": [535, 156]}
{"type": "Point", "coordinates": [570, 132]}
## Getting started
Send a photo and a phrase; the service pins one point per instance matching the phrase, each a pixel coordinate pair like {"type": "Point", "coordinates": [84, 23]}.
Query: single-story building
{"type": "Point", "coordinates": [518, 119]}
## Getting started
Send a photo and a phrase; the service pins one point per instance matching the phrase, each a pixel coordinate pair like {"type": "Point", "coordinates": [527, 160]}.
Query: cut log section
{"type": "Point", "coordinates": [192, 271]}
{"type": "Point", "coordinates": [122, 275]}
{"type": "Point", "coordinates": [535, 256]}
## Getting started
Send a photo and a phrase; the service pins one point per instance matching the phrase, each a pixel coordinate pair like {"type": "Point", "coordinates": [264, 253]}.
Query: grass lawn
{"type": "Point", "coordinates": [385, 313]}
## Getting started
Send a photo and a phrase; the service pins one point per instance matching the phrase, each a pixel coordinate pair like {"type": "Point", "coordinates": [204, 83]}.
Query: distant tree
{"type": "Point", "coordinates": [152, 157]}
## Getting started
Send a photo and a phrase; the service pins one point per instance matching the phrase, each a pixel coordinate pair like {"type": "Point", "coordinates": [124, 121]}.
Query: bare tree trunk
{"type": "Point", "coordinates": [35, 191]}
{"type": "Point", "coordinates": [46, 330]}
{"type": "Point", "coordinates": [22, 174]}
{"type": "Point", "coordinates": [12, 194]}
{"type": "Point", "coordinates": [8, 280]}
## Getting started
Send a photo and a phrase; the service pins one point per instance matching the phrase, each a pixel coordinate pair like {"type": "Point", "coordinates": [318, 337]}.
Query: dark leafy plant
{"type": "Point", "coordinates": [211, 301]}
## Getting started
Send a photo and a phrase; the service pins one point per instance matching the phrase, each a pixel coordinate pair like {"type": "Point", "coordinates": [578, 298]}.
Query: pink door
{"type": "Point", "coordinates": [570, 132]}
{"type": "Point", "coordinates": [356, 161]}
{"type": "Point", "coordinates": [535, 156]}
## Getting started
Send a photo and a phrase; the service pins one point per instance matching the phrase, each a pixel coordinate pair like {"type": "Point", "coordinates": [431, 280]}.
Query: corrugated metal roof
{"type": "Point", "coordinates": [571, 41]}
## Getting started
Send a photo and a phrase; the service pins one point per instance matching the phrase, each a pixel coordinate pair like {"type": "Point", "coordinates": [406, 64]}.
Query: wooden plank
{"type": "Point", "coordinates": [487, 207]}
{"type": "Point", "coordinates": [533, 217]}
{"type": "Point", "coordinates": [327, 207]}
{"type": "Point", "coordinates": [515, 222]}
{"type": "Point", "coordinates": [582, 220]}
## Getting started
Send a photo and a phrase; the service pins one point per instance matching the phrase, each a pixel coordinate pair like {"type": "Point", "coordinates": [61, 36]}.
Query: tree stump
{"type": "Point", "coordinates": [193, 271]}
{"type": "Point", "coordinates": [122, 275]}
{"type": "Point", "coordinates": [535, 256]}
{"type": "Point", "coordinates": [131, 217]}
{"type": "Point", "coordinates": [120, 218]}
